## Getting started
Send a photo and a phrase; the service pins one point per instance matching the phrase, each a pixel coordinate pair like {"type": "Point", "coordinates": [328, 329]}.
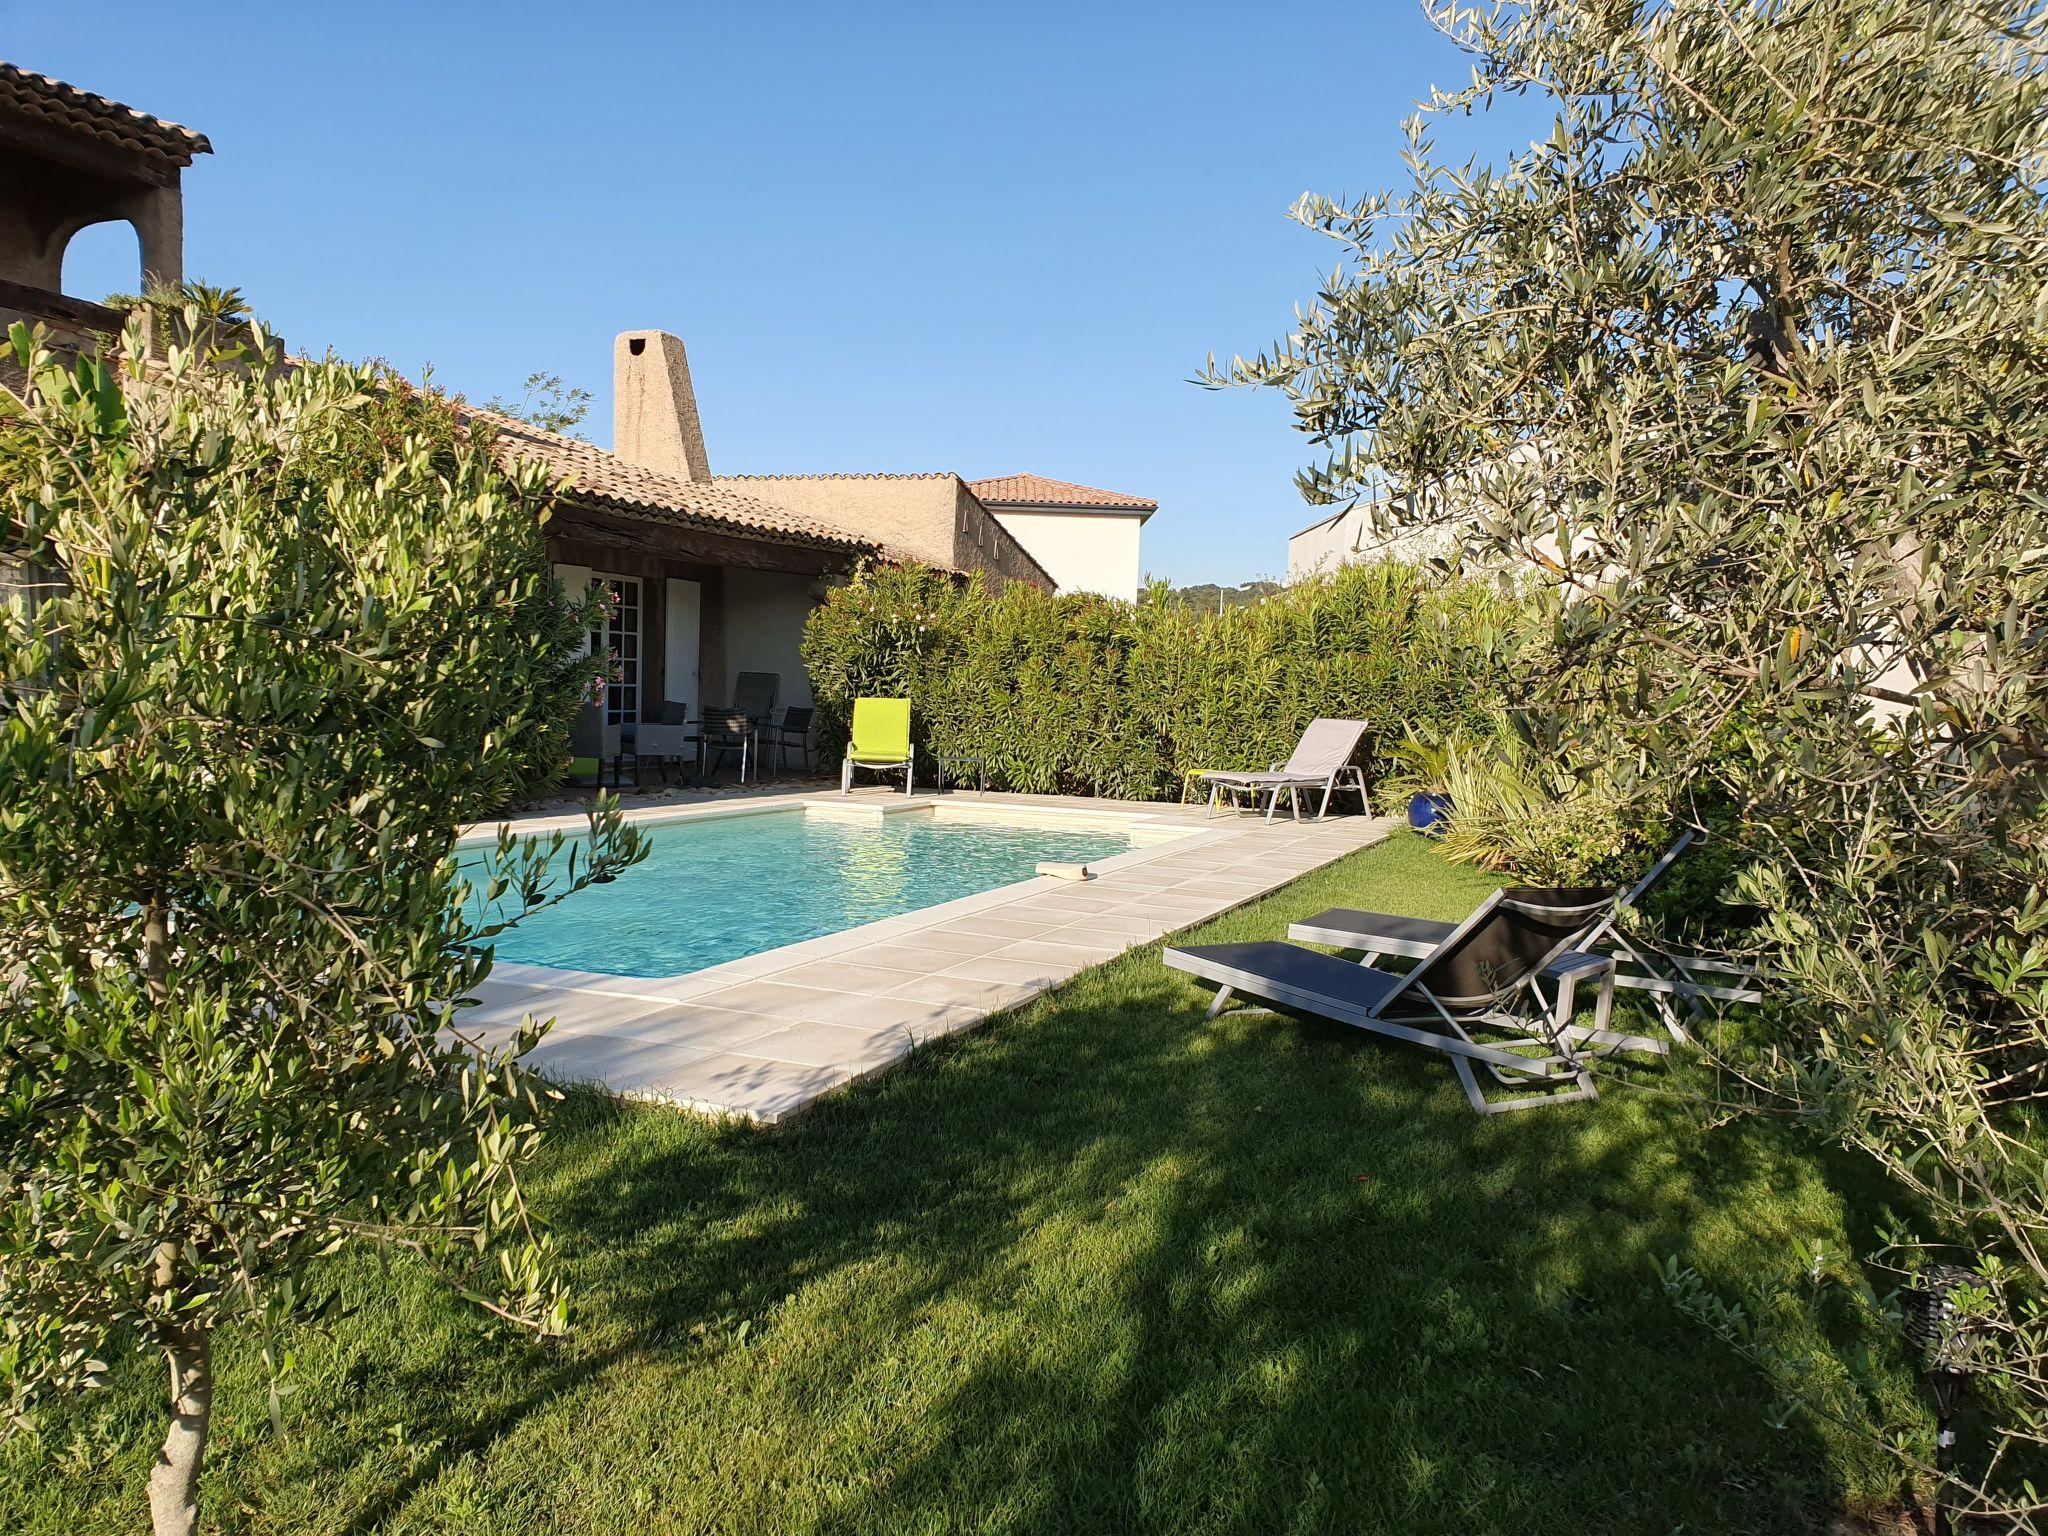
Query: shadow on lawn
{"type": "Point", "coordinates": [1101, 1266]}
{"type": "Point", "coordinates": [1255, 1275]}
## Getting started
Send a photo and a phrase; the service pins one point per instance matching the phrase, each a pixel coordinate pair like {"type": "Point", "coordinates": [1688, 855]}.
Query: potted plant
{"type": "Point", "coordinates": [1421, 770]}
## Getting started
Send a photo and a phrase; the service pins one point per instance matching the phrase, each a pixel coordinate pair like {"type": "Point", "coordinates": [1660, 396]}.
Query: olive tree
{"type": "Point", "coordinates": [1743, 365]}
{"type": "Point", "coordinates": [272, 633]}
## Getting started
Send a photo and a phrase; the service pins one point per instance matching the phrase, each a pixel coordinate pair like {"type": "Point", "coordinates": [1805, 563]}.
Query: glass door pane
{"type": "Point", "coordinates": [619, 633]}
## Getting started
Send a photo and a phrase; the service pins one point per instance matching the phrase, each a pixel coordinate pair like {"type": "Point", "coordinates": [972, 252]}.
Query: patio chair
{"type": "Point", "coordinates": [795, 731]}
{"type": "Point", "coordinates": [1479, 979]}
{"type": "Point", "coordinates": [1323, 757]}
{"type": "Point", "coordinates": [722, 731]}
{"type": "Point", "coordinates": [881, 741]}
{"type": "Point", "coordinates": [753, 695]}
{"type": "Point", "coordinates": [1643, 967]}
{"type": "Point", "coordinates": [593, 740]}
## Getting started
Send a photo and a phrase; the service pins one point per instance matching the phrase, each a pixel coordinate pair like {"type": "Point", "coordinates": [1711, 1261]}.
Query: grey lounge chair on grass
{"type": "Point", "coordinates": [1641, 967]}
{"type": "Point", "coordinates": [1479, 982]}
{"type": "Point", "coordinates": [1322, 759]}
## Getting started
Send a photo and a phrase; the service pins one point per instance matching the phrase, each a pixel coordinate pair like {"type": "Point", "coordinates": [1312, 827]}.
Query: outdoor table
{"type": "Point", "coordinates": [655, 741]}
{"type": "Point", "coordinates": [953, 762]}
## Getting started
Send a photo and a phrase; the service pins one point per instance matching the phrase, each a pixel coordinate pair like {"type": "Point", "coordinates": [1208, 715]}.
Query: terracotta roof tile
{"type": "Point", "coordinates": [873, 474]}
{"type": "Point", "coordinates": [606, 481]}
{"type": "Point", "coordinates": [68, 108]}
{"type": "Point", "coordinates": [1039, 491]}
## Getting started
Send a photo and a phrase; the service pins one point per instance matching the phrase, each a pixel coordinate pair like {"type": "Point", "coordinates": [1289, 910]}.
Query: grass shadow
{"type": "Point", "coordinates": [1102, 1265]}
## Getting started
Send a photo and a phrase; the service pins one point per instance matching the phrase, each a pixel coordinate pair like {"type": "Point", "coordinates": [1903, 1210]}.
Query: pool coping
{"type": "Point", "coordinates": [984, 806]}
{"type": "Point", "coordinates": [763, 1036]}
{"type": "Point", "coordinates": [688, 984]}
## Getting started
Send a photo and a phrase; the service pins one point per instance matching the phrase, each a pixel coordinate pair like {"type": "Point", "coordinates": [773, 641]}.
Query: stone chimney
{"type": "Point", "coordinates": [654, 410]}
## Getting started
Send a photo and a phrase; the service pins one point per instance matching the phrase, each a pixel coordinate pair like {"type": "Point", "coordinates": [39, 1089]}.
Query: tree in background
{"type": "Point", "coordinates": [547, 403]}
{"type": "Point", "coordinates": [1746, 361]}
{"type": "Point", "coordinates": [1207, 597]}
{"type": "Point", "coordinates": [274, 633]}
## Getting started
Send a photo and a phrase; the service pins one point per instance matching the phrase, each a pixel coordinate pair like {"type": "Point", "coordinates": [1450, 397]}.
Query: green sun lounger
{"type": "Point", "coordinates": [881, 741]}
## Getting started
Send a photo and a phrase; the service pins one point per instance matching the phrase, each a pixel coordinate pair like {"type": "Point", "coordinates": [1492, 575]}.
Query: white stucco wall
{"type": "Point", "coordinates": [1321, 547]}
{"type": "Point", "coordinates": [1082, 551]}
{"type": "Point", "coordinates": [764, 626]}
{"type": "Point", "coordinates": [1348, 536]}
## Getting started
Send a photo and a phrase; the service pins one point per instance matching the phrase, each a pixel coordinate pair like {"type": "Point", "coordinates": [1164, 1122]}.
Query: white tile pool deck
{"type": "Point", "coordinates": [764, 1036]}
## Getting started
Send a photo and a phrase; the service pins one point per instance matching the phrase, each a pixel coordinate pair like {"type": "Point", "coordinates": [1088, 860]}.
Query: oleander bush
{"type": "Point", "coordinates": [1080, 694]}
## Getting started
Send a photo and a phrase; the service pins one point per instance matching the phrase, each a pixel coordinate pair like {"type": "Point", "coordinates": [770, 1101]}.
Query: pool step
{"type": "Point", "coordinates": [856, 808]}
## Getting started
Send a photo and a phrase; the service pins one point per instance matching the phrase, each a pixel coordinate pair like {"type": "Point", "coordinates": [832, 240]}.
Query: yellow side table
{"type": "Point", "coordinates": [1190, 780]}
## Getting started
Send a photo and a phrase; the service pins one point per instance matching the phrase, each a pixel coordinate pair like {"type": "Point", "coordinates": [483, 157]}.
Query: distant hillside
{"type": "Point", "coordinates": [1207, 597]}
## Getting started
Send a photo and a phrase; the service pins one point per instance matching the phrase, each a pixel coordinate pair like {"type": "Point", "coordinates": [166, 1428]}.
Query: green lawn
{"type": "Point", "coordinates": [1100, 1266]}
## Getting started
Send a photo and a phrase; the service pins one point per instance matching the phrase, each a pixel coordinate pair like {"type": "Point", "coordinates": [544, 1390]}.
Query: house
{"type": "Point", "coordinates": [933, 517]}
{"type": "Point", "coordinates": [707, 580]}
{"type": "Point", "coordinates": [709, 575]}
{"type": "Point", "coordinates": [1435, 519]}
{"type": "Point", "coordinates": [1052, 533]}
{"type": "Point", "coordinates": [705, 583]}
{"type": "Point", "coordinates": [70, 159]}
{"type": "Point", "coordinates": [1086, 538]}
{"type": "Point", "coordinates": [713, 575]}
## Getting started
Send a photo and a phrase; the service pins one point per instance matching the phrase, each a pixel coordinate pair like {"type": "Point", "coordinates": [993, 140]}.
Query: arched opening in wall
{"type": "Point", "coordinates": [103, 259]}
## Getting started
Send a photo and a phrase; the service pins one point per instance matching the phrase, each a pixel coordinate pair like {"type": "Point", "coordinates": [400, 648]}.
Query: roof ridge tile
{"type": "Point", "coordinates": [859, 474]}
{"type": "Point", "coordinates": [601, 478]}
{"type": "Point", "coordinates": [1027, 489]}
{"type": "Point", "coordinates": [76, 109]}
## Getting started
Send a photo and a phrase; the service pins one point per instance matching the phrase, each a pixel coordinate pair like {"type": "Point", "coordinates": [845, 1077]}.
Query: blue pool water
{"type": "Point", "coordinates": [717, 889]}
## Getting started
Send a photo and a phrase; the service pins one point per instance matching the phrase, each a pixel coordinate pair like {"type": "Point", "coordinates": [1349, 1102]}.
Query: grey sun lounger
{"type": "Point", "coordinates": [1642, 967]}
{"type": "Point", "coordinates": [1478, 981]}
{"type": "Point", "coordinates": [1322, 760]}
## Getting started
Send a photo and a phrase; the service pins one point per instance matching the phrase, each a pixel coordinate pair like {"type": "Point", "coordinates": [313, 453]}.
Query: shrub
{"type": "Point", "coordinates": [272, 635]}
{"type": "Point", "coordinates": [1079, 694]}
{"type": "Point", "coordinates": [1546, 822]}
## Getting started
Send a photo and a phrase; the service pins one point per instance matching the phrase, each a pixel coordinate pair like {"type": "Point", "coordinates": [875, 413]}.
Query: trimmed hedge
{"type": "Point", "coordinates": [1079, 694]}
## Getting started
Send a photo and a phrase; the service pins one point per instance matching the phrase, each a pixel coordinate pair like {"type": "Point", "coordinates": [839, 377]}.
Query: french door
{"type": "Point", "coordinates": [618, 631]}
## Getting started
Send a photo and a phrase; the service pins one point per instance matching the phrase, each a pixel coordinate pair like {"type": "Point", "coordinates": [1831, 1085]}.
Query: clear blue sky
{"type": "Point", "coordinates": [987, 238]}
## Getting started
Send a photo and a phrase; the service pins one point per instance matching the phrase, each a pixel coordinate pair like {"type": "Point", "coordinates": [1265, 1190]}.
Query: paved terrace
{"type": "Point", "coordinates": [764, 1036]}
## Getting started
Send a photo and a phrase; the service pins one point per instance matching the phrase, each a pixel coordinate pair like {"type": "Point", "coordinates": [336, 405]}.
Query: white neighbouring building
{"type": "Point", "coordinates": [1433, 521]}
{"type": "Point", "coordinates": [1086, 538]}
{"type": "Point", "coordinates": [1347, 536]}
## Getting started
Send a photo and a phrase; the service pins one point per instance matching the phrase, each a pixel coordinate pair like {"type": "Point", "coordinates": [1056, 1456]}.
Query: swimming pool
{"type": "Point", "coordinates": [717, 889]}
